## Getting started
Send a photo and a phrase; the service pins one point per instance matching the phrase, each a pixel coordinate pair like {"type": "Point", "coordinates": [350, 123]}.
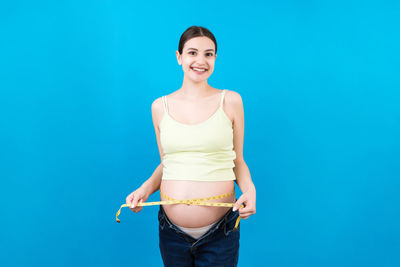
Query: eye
{"type": "Point", "coordinates": [210, 54]}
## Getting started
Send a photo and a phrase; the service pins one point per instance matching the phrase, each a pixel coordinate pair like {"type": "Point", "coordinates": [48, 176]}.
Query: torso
{"type": "Point", "coordinates": [193, 215]}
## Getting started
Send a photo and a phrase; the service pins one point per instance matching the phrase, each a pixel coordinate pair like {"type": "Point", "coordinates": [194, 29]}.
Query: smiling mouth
{"type": "Point", "coordinates": [199, 70]}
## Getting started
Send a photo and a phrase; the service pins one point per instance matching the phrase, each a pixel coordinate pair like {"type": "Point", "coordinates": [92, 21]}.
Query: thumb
{"type": "Point", "coordinates": [238, 203]}
{"type": "Point", "coordinates": [134, 201]}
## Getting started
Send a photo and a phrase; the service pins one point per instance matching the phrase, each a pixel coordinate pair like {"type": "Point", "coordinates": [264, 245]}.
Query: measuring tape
{"type": "Point", "coordinates": [193, 201]}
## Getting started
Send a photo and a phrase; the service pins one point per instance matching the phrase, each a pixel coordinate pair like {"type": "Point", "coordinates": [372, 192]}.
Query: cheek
{"type": "Point", "coordinates": [186, 66]}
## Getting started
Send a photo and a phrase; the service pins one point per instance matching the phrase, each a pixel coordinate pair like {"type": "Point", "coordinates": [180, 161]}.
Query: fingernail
{"type": "Point", "coordinates": [234, 209]}
{"type": "Point", "coordinates": [132, 206]}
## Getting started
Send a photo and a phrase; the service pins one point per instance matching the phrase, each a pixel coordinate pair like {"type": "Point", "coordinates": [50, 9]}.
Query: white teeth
{"type": "Point", "coordinates": [198, 69]}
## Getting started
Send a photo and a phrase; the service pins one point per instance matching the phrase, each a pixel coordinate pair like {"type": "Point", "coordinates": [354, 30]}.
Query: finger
{"type": "Point", "coordinates": [134, 202]}
{"type": "Point", "coordinates": [137, 207]}
{"type": "Point", "coordinates": [129, 199]}
{"type": "Point", "coordinates": [238, 203]}
{"type": "Point", "coordinates": [246, 209]}
{"type": "Point", "coordinates": [245, 215]}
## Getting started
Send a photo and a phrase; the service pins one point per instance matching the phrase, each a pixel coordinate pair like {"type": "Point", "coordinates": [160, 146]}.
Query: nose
{"type": "Point", "coordinates": [201, 60]}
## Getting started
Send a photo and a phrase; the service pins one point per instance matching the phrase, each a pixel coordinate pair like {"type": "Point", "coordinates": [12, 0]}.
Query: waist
{"type": "Point", "coordinates": [187, 215]}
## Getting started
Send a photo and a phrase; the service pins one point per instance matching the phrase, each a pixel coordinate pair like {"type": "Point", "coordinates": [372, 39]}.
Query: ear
{"type": "Point", "coordinates": [178, 57]}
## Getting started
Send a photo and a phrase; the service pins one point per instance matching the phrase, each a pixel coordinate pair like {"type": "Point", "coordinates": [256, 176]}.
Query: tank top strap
{"type": "Point", "coordinates": [222, 98]}
{"type": "Point", "coordinates": [164, 98]}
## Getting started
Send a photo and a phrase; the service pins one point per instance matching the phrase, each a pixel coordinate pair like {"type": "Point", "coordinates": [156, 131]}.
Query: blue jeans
{"type": "Point", "coordinates": [218, 247]}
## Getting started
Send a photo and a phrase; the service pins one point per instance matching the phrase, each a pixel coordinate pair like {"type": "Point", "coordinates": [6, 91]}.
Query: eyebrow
{"type": "Point", "coordinates": [197, 50]}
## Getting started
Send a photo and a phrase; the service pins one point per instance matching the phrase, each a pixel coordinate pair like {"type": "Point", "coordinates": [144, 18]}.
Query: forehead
{"type": "Point", "coordinates": [201, 43]}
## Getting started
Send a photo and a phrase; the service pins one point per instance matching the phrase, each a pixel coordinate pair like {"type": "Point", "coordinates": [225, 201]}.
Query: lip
{"type": "Point", "coordinates": [200, 68]}
{"type": "Point", "coordinates": [199, 72]}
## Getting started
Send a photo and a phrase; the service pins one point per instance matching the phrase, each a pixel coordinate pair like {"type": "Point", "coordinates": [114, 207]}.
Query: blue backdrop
{"type": "Point", "coordinates": [320, 85]}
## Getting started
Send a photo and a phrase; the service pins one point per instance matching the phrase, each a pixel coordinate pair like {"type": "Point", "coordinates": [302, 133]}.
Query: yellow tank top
{"type": "Point", "coordinates": [197, 152]}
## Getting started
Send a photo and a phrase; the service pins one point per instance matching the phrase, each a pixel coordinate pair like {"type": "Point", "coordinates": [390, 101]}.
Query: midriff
{"type": "Point", "coordinates": [194, 215]}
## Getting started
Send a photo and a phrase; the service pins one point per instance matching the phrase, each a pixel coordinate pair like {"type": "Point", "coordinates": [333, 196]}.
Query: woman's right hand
{"type": "Point", "coordinates": [139, 195]}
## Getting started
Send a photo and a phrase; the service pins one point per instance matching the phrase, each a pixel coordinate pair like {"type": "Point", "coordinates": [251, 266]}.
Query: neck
{"type": "Point", "coordinates": [195, 90]}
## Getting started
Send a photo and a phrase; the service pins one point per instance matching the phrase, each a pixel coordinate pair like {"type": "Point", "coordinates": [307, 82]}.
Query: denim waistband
{"type": "Point", "coordinates": [228, 217]}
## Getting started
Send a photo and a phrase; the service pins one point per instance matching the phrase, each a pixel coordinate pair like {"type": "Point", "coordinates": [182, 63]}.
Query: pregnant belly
{"type": "Point", "coordinates": [193, 215]}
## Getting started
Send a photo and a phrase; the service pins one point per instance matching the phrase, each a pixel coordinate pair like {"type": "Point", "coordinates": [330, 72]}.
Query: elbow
{"type": "Point", "coordinates": [238, 161]}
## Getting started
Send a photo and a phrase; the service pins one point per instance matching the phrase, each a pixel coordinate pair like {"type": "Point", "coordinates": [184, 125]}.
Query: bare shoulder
{"type": "Point", "coordinates": [157, 104]}
{"type": "Point", "coordinates": [233, 97]}
{"type": "Point", "coordinates": [233, 105]}
{"type": "Point", "coordinates": [157, 110]}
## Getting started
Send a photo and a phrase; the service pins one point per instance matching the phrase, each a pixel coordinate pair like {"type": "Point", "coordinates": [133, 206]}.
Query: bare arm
{"type": "Point", "coordinates": [152, 184]}
{"type": "Point", "coordinates": [242, 173]}
{"type": "Point", "coordinates": [142, 193]}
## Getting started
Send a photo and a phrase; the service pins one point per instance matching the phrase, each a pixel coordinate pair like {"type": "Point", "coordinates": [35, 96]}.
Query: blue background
{"type": "Point", "coordinates": [320, 85]}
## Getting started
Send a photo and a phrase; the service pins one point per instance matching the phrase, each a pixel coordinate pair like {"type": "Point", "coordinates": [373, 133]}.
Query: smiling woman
{"type": "Point", "coordinates": [200, 132]}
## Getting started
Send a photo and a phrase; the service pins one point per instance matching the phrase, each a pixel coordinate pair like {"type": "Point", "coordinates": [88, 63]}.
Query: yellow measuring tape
{"type": "Point", "coordinates": [193, 201]}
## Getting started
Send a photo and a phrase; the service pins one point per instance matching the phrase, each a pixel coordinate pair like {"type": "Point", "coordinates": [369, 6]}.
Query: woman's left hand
{"type": "Point", "coordinates": [248, 198]}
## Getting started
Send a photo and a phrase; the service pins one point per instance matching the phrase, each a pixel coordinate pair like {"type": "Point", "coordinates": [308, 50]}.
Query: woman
{"type": "Point", "coordinates": [200, 132]}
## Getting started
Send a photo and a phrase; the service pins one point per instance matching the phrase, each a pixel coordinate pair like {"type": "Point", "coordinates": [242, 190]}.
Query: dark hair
{"type": "Point", "coordinates": [195, 31]}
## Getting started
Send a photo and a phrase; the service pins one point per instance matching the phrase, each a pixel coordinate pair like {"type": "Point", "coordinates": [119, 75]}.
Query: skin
{"type": "Point", "coordinates": [194, 103]}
